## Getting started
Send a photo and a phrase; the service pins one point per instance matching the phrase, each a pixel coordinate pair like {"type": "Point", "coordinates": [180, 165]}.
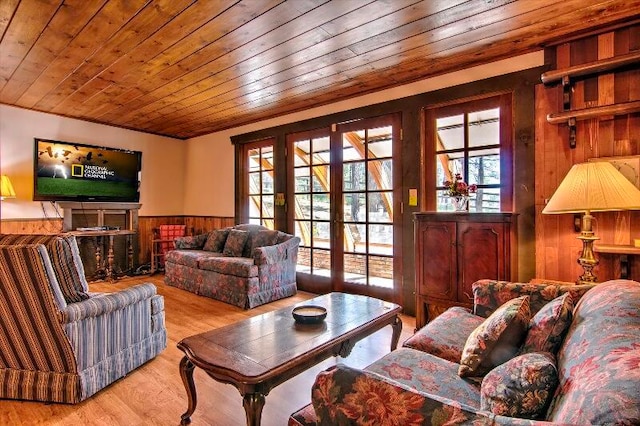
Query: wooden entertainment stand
{"type": "Point", "coordinates": [118, 220]}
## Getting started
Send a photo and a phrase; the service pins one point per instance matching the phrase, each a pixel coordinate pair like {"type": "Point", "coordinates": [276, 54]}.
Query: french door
{"type": "Point", "coordinates": [344, 205]}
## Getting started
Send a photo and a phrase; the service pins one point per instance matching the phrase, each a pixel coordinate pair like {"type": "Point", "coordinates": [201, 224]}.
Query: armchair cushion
{"type": "Point", "coordinates": [65, 259]}
{"type": "Point", "coordinates": [548, 327]}
{"type": "Point", "coordinates": [497, 339]}
{"type": "Point", "coordinates": [216, 240]}
{"type": "Point", "coordinates": [521, 387]}
{"type": "Point", "coordinates": [440, 339]}
{"type": "Point", "coordinates": [236, 240]}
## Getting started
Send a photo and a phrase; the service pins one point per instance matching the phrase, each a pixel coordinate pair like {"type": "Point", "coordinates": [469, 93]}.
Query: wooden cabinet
{"type": "Point", "coordinates": [454, 250]}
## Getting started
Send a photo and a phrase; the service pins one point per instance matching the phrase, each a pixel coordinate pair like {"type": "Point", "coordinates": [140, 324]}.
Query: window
{"type": "Point", "coordinates": [472, 139]}
{"type": "Point", "coordinates": [260, 183]}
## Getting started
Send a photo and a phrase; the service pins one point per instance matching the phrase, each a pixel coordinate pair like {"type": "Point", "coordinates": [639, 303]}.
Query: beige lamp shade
{"type": "Point", "coordinates": [6, 189]}
{"type": "Point", "coordinates": [591, 187]}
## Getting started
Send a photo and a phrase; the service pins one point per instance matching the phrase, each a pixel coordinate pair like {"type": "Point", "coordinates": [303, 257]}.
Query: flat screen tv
{"type": "Point", "coordinates": [67, 171]}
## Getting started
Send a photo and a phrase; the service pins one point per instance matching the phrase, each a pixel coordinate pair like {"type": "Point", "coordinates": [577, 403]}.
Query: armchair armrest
{"type": "Point", "coordinates": [348, 396]}
{"type": "Point", "coordinates": [285, 251]}
{"type": "Point", "coordinates": [108, 302]}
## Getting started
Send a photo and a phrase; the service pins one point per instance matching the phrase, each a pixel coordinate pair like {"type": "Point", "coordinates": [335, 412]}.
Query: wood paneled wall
{"type": "Point", "coordinates": [195, 225]}
{"type": "Point", "coordinates": [557, 248]}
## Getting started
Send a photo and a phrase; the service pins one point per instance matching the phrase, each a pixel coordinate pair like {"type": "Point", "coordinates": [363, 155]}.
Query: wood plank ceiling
{"type": "Point", "coordinates": [184, 68]}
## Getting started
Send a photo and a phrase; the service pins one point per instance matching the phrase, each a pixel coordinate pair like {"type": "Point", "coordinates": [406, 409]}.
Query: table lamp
{"type": "Point", "coordinates": [6, 189]}
{"type": "Point", "coordinates": [592, 187]}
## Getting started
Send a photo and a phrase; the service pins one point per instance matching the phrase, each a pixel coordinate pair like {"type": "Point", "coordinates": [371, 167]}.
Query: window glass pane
{"type": "Point", "coordinates": [484, 127]}
{"type": "Point", "coordinates": [321, 206]}
{"type": "Point", "coordinates": [302, 180]}
{"type": "Point", "coordinates": [254, 183]}
{"type": "Point", "coordinates": [267, 158]}
{"type": "Point", "coordinates": [485, 200]}
{"type": "Point", "coordinates": [254, 160]}
{"type": "Point", "coordinates": [355, 268]}
{"type": "Point", "coordinates": [268, 223]}
{"type": "Point", "coordinates": [304, 260]}
{"type": "Point", "coordinates": [267, 206]}
{"type": "Point", "coordinates": [321, 153]}
{"type": "Point", "coordinates": [381, 271]}
{"type": "Point", "coordinates": [380, 174]}
{"type": "Point", "coordinates": [254, 206]}
{"type": "Point", "coordinates": [321, 234]}
{"type": "Point", "coordinates": [380, 207]}
{"type": "Point", "coordinates": [453, 166]}
{"type": "Point", "coordinates": [267, 182]}
{"type": "Point", "coordinates": [302, 230]}
{"type": "Point", "coordinates": [301, 151]}
{"type": "Point", "coordinates": [303, 206]}
{"type": "Point", "coordinates": [381, 239]}
{"type": "Point", "coordinates": [354, 176]}
{"type": "Point", "coordinates": [354, 207]}
{"type": "Point", "coordinates": [320, 179]}
{"type": "Point", "coordinates": [450, 131]}
{"type": "Point", "coordinates": [353, 146]}
{"type": "Point", "coordinates": [321, 263]}
{"type": "Point", "coordinates": [484, 169]}
{"type": "Point", "coordinates": [380, 144]}
{"type": "Point", "coordinates": [355, 237]}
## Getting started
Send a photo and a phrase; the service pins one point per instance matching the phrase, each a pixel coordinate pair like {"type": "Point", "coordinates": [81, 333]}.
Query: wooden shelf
{"type": "Point", "coordinates": [596, 67]}
{"type": "Point", "coordinates": [594, 112]}
{"type": "Point", "coordinates": [617, 249]}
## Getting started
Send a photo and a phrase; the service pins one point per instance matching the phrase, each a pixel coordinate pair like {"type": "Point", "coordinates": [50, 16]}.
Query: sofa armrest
{"type": "Point", "coordinates": [488, 295]}
{"type": "Point", "coordinates": [108, 302]}
{"type": "Point", "coordinates": [285, 251]}
{"type": "Point", "coordinates": [343, 395]}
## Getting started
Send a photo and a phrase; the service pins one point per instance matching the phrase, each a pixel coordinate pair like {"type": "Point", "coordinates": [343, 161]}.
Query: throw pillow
{"type": "Point", "coordinates": [235, 243]}
{"type": "Point", "coordinates": [497, 339]}
{"type": "Point", "coordinates": [521, 387]}
{"type": "Point", "coordinates": [191, 242]}
{"type": "Point", "coordinates": [548, 327]}
{"type": "Point", "coordinates": [216, 240]}
{"type": "Point", "coordinates": [263, 238]}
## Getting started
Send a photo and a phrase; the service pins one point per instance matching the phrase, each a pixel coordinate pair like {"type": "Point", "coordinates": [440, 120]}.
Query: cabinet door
{"type": "Point", "coordinates": [437, 253]}
{"type": "Point", "coordinates": [481, 254]}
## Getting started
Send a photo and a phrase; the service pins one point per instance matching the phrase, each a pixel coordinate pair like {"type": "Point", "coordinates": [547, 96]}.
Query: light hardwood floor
{"type": "Point", "coordinates": [154, 394]}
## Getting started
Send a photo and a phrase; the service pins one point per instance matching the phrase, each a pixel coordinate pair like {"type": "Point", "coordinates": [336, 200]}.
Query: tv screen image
{"type": "Point", "coordinates": [70, 171]}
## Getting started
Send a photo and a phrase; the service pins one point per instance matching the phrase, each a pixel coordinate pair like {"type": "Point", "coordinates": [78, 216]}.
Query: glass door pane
{"type": "Point", "coordinates": [260, 185]}
{"type": "Point", "coordinates": [312, 204]}
{"type": "Point", "coordinates": [367, 207]}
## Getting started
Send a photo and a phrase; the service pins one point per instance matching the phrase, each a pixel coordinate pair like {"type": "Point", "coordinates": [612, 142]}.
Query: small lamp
{"type": "Point", "coordinates": [592, 187]}
{"type": "Point", "coordinates": [6, 189]}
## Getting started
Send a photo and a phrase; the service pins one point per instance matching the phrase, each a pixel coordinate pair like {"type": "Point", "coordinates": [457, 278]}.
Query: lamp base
{"type": "Point", "coordinates": [587, 259]}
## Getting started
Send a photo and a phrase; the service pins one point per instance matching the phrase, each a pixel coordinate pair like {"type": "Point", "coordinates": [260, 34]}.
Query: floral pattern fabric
{"type": "Point", "coordinates": [216, 240]}
{"type": "Point", "coordinates": [236, 240]}
{"type": "Point", "coordinates": [442, 340]}
{"type": "Point", "coordinates": [599, 360]}
{"type": "Point", "coordinates": [497, 339]}
{"type": "Point", "coordinates": [521, 387]}
{"type": "Point", "coordinates": [488, 295]}
{"type": "Point", "coordinates": [195, 242]}
{"type": "Point", "coordinates": [548, 327]}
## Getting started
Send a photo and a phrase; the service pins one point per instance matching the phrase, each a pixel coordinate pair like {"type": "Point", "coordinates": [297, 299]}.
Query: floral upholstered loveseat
{"type": "Point", "coordinates": [541, 362]}
{"type": "Point", "coordinates": [58, 341]}
{"type": "Point", "coordinates": [246, 265]}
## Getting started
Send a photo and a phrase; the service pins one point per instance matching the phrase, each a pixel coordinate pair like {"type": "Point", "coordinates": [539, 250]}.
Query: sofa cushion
{"type": "Point", "coordinates": [236, 241]}
{"type": "Point", "coordinates": [497, 339]}
{"type": "Point", "coordinates": [190, 258]}
{"type": "Point", "coordinates": [65, 259]}
{"type": "Point", "coordinates": [446, 335]}
{"type": "Point", "coordinates": [195, 242]}
{"type": "Point", "coordinates": [521, 387]}
{"type": "Point", "coordinates": [238, 266]}
{"type": "Point", "coordinates": [216, 240]}
{"type": "Point", "coordinates": [262, 238]}
{"type": "Point", "coordinates": [548, 327]}
{"type": "Point", "coordinates": [428, 373]}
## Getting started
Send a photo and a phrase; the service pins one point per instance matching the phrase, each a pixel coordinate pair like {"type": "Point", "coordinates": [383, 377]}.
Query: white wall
{"type": "Point", "coordinates": [163, 160]}
{"type": "Point", "coordinates": [210, 176]}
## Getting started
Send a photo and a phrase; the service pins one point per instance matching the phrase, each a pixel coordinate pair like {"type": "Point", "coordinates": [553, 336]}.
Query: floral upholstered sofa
{"type": "Point", "coordinates": [246, 265]}
{"type": "Point", "coordinates": [529, 354]}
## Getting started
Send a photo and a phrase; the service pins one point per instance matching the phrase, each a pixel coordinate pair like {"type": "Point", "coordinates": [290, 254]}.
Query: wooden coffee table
{"type": "Point", "coordinates": [259, 353]}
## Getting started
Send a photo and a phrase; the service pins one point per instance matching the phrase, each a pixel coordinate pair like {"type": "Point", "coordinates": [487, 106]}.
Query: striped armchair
{"type": "Point", "coordinates": [58, 342]}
